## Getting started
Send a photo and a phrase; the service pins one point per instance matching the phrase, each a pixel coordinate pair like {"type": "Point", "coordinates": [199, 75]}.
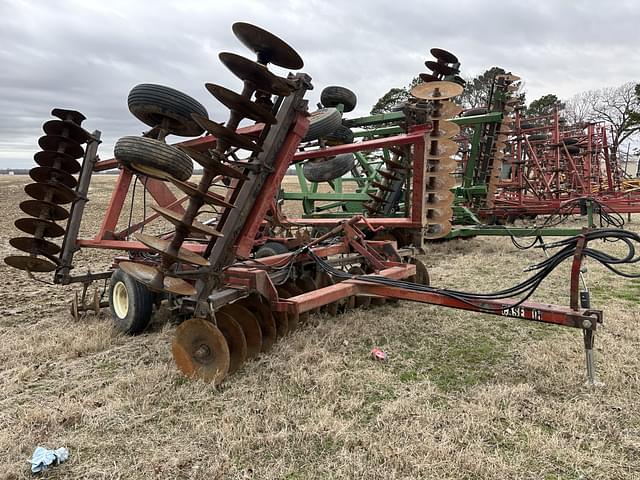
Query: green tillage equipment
{"type": "Point", "coordinates": [344, 204]}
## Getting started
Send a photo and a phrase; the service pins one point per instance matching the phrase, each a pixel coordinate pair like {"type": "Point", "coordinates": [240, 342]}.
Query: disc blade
{"type": "Point", "coordinates": [436, 90]}
{"type": "Point", "coordinates": [440, 68]}
{"type": "Point", "coordinates": [437, 230]}
{"type": "Point", "coordinates": [445, 130]}
{"type": "Point", "coordinates": [256, 74]}
{"type": "Point", "coordinates": [46, 174]}
{"type": "Point", "coordinates": [155, 280]}
{"type": "Point", "coordinates": [388, 175]}
{"type": "Point", "coordinates": [443, 55]}
{"type": "Point", "coordinates": [268, 47]}
{"type": "Point", "coordinates": [70, 115]}
{"type": "Point", "coordinates": [293, 319]}
{"type": "Point", "coordinates": [242, 105]}
{"type": "Point", "coordinates": [223, 133]}
{"type": "Point", "coordinates": [250, 327]}
{"type": "Point", "coordinates": [236, 341]}
{"type": "Point", "coordinates": [294, 290]}
{"type": "Point", "coordinates": [34, 246]}
{"type": "Point", "coordinates": [440, 183]}
{"type": "Point", "coordinates": [442, 148]}
{"type": "Point", "coordinates": [58, 143]}
{"type": "Point", "coordinates": [43, 228]}
{"type": "Point", "coordinates": [323, 280]}
{"type": "Point", "coordinates": [428, 77]}
{"type": "Point", "coordinates": [444, 110]}
{"type": "Point", "coordinates": [306, 283]}
{"type": "Point", "coordinates": [163, 247]}
{"type": "Point", "coordinates": [30, 264]}
{"type": "Point", "coordinates": [46, 210]}
{"type": "Point", "coordinates": [210, 198]}
{"type": "Point", "coordinates": [50, 158]}
{"type": "Point", "coordinates": [200, 351]}
{"type": "Point", "coordinates": [67, 129]}
{"type": "Point", "coordinates": [362, 301]}
{"type": "Point", "coordinates": [176, 219]}
{"type": "Point", "coordinates": [265, 318]}
{"type": "Point", "coordinates": [50, 192]}
{"type": "Point", "coordinates": [212, 163]}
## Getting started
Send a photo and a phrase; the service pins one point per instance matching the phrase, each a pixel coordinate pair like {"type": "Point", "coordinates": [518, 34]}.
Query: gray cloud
{"type": "Point", "coordinates": [88, 54]}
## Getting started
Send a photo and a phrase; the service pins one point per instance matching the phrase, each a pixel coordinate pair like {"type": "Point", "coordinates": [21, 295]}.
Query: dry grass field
{"type": "Point", "coordinates": [462, 396]}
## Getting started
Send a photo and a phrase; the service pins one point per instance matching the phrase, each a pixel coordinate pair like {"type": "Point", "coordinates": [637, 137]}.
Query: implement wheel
{"type": "Point", "coordinates": [154, 104]}
{"type": "Point", "coordinates": [153, 158]}
{"type": "Point", "coordinates": [200, 351]}
{"type": "Point", "coordinates": [327, 169]}
{"type": "Point", "coordinates": [130, 303]}
{"type": "Point", "coordinates": [322, 122]}
{"type": "Point", "coordinates": [333, 96]}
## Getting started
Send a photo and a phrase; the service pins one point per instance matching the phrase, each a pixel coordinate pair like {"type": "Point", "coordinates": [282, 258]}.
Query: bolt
{"type": "Point", "coordinates": [586, 324]}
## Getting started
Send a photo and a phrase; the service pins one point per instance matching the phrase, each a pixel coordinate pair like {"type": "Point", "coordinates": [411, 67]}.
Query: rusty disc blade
{"type": "Point", "coordinates": [306, 283]}
{"type": "Point", "coordinates": [282, 323]}
{"type": "Point", "coordinates": [508, 77]}
{"type": "Point", "coordinates": [422, 274]}
{"type": "Point", "coordinates": [392, 164]}
{"type": "Point", "coordinates": [443, 55]}
{"type": "Point", "coordinates": [445, 130]}
{"type": "Point", "coordinates": [376, 197]}
{"type": "Point", "coordinates": [43, 228]}
{"type": "Point", "coordinates": [45, 174]}
{"type": "Point", "coordinates": [268, 47]}
{"type": "Point", "coordinates": [212, 164]}
{"type": "Point", "coordinates": [163, 247]}
{"type": "Point", "coordinates": [30, 264]}
{"type": "Point", "coordinates": [438, 215]}
{"type": "Point", "coordinates": [70, 115]}
{"type": "Point", "coordinates": [58, 143]}
{"type": "Point", "coordinates": [155, 280]}
{"type": "Point", "coordinates": [265, 318]}
{"type": "Point", "coordinates": [362, 301]}
{"type": "Point", "coordinates": [176, 219]}
{"type": "Point", "coordinates": [50, 192]}
{"type": "Point", "coordinates": [35, 246]}
{"type": "Point", "coordinates": [191, 189]}
{"type": "Point", "coordinates": [250, 327]}
{"type": "Point", "coordinates": [441, 167]}
{"type": "Point", "coordinates": [200, 351]}
{"type": "Point", "coordinates": [236, 341]}
{"type": "Point", "coordinates": [67, 129]}
{"type": "Point", "coordinates": [294, 290]}
{"type": "Point", "coordinates": [442, 149]}
{"type": "Point", "coordinates": [50, 158]}
{"type": "Point", "coordinates": [323, 280]}
{"type": "Point", "coordinates": [238, 103]}
{"type": "Point", "coordinates": [440, 68]}
{"type": "Point", "coordinates": [445, 110]}
{"type": "Point", "coordinates": [256, 74]}
{"type": "Point", "coordinates": [437, 230]}
{"type": "Point", "coordinates": [223, 133]}
{"type": "Point", "coordinates": [437, 199]}
{"type": "Point", "coordinates": [293, 319]}
{"type": "Point", "coordinates": [46, 210]}
{"type": "Point", "coordinates": [428, 77]}
{"type": "Point", "coordinates": [440, 183]}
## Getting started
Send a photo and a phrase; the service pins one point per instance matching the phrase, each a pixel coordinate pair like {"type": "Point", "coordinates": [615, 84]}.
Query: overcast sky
{"type": "Point", "coordinates": [87, 54]}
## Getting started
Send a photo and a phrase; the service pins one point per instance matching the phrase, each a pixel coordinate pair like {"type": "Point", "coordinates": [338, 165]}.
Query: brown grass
{"type": "Point", "coordinates": [462, 395]}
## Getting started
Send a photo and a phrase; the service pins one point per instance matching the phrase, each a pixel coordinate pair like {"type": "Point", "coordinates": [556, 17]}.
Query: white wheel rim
{"type": "Point", "coordinates": [120, 299]}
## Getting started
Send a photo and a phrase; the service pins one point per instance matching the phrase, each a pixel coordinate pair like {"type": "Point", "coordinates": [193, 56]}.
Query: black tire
{"type": "Point", "coordinates": [322, 122]}
{"type": "Point", "coordinates": [327, 169]}
{"type": "Point", "coordinates": [333, 96]}
{"type": "Point", "coordinates": [152, 103]}
{"type": "Point", "coordinates": [153, 158]}
{"type": "Point", "coordinates": [339, 136]}
{"type": "Point", "coordinates": [472, 112]}
{"type": "Point", "coordinates": [271, 248]}
{"type": "Point", "coordinates": [536, 137]}
{"type": "Point", "coordinates": [130, 302]}
{"type": "Point", "coordinates": [570, 141]}
{"type": "Point", "coordinates": [527, 126]}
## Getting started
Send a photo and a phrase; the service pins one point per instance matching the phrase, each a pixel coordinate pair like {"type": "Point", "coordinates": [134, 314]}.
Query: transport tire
{"type": "Point", "coordinates": [130, 302]}
{"type": "Point", "coordinates": [271, 248]}
{"type": "Point", "coordinates": [327, 169]}
{"type": "Point", "coordinates": [537, 137]}
{"type": "Point", "coordinates": [322, 122]}
{"type": "Point", "coordinates": [153, 158]}
{"type": "Point", "coordinates": [333, 96]}
{"type": "Point", "coordinates": [339, 136]}
{"type": "Point", "coordinates": [151, 103]}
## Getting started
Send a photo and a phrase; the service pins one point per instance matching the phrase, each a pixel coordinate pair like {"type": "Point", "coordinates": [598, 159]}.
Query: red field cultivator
{"type": "Point", "coordinates": [231, 305]}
